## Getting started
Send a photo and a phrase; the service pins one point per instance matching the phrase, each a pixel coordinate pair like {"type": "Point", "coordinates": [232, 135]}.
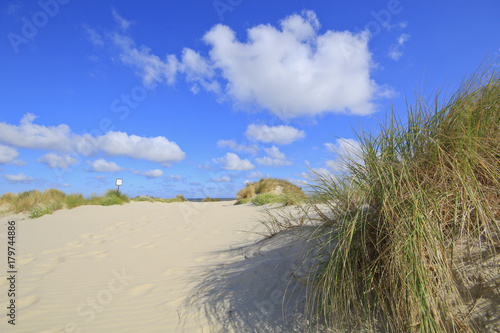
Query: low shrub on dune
{"type": "Point", "coordinates": [208, 199]}
{"type": "Point", "coordinates": [270, 190]}
{"type": "Point", "coordinates": [74, 200]}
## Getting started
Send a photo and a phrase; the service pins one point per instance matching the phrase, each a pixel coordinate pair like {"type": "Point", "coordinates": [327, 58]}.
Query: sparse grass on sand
{"type": "Point", "coordinates": [178, 198]}
{"type": "Point", "coordinates": [38, 204]}
{"type": "Point", "coordinates": [208, 199]}
{"type": "Point", "coordinates": [270, 190]}
{"type": "Point", "coordinates": [393, 227]}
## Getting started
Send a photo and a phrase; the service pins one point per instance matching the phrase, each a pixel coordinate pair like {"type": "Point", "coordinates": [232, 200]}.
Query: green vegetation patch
{"type": "Point", "coordinates": [275, 190]}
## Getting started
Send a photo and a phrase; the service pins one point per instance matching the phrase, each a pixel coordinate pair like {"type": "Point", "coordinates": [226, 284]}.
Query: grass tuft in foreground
{"type": "Point", "coordinates": [391, 225]}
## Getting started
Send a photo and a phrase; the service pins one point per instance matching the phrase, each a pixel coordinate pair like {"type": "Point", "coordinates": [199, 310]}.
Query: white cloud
{"type": "Point", "coordinates": [198, 71]}
{"type": "Point", "coordinates": [156, 149]}
{"type": "Point", "coordinates": [7, 154]}
{"type": "Point", "coordinates": [295, 71]}
{"type": "Point", "coordinates": [223, 179]}
{"type": "Point", "coordinates": [18, 162]}
{"type": "Point", "coordinates": [94, 37]}
{"type": "Point", "coordinates": [291, 71]}
{"type": "Point", "coordinates": [29, 135]}
{"type": "Point", "coordinates": [272, 162]}
{"type": "Point", "coordinates": [252, 149]}
{"type": "Point", "coordinates": [60, 138]}
{"type": "Point", "coordinates": [232, 161]}
{"type": "Point", "coordinates": [396, 50]}
{"type": "Point", "coordinates": [175, 178]}
{"type": "Point", "coordinates": [346, 149]}
{"type": "Point", "coordinates": [156, 173]}
{"type": "Point", "coordinates": [274, 152]}
{"type": "Point", "coordinates": [122, 23]}
{"type": "Point", "coordinates": [102, 165]}
{"type": "Point", "coordinates": [149, 67]}
{"type": "Point", "coordinates": [281, 135]}
{"type": "Point", "coordinates": [275, 158]}
{"type": "Point", "coordinates": [256, 175]}
{"type": "Point", "coordinates": [53, 160]}
{"type": "Point", "coordinates": [20, 178]}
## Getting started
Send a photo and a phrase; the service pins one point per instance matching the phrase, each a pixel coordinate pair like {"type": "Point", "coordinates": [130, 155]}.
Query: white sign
{"type": "Point", "coordinates": [119, 181]}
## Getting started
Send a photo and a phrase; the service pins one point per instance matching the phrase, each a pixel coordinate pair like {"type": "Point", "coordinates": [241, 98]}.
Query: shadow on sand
{"type": "Point", "coordinates": [260, 288]}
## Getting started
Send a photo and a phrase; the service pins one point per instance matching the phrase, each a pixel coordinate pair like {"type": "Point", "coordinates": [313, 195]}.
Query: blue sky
{"type": "Point", "coordinates": [199, 97]}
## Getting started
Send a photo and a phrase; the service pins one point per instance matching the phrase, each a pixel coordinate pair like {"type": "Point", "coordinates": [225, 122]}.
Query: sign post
{"type": "Point", "coordinates": [119, 182]}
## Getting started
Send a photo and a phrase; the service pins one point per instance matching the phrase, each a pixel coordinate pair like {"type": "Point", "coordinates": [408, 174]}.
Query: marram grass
{"type": "Point", "coordinates": [396, 216]}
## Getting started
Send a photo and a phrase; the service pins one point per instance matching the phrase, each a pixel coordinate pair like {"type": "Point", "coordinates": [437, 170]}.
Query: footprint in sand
{"type": "Point", "coordinates": [26, 302]}
{"type": "Point", "coordinates": [91, 255]}
{"type": "Point", "coordinates": [26, 261]}
{"type": "Point", "coordinates": [147, 245]}
{"type": "Point", "coordinates": [53, 250]}
{"type": "Point", "coordinates": [44, 269]}
{"type": "Point", "coordinates": [141, 290]}
{"type": "Point", "coordinates": [168, 272]}
{"type": "Point", "coordinates": [183, 229]}
{"type": "Point", "coordinates": [201, 259]}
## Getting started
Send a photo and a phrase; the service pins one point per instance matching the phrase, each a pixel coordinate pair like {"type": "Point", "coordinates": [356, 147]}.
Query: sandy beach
{"type": "Point", "coordinates": [150, 267]}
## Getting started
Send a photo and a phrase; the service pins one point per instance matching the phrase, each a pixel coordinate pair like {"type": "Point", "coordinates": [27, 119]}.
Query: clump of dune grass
{"type": "Point", "coordinates": [116, 193]}
{"type": "Point", "coordinates": [112, 197]}
{"type": "Point", "coordinates": [73, 200]}
{"type": "Point", "coordinates": [392, 223]}
{"type": "Point", "coordinates": [274, 190]}
{"type": "Point", "coordinates": [180, 197]}
{"type": "Point", "coordinates": [7, 198]}
{"type": "Point", "coordinates": [143, 198]}
{"type": "Point", "coordinates": [208, 199]}
{"type": "Point", "coordinates": [44, 209]}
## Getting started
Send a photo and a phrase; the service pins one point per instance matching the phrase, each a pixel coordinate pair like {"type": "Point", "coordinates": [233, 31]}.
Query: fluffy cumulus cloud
{"type": "Point", "coordinates": [19, 178]}
{"type": "Point", "coordinates": [53, 160]}
{"type": "Point", "coordinates": [292, 70]}
{"type": "Point", "coordinates": [60, 138]}
{"type": "Point", "coordinates": [256, 175]}
{"type": "Point", "coordinates": [281, 135]}
{"type": "Point", "coordinates": [275, 158]}
{"type": "Point", "coordinates": [156, 149]}
{"type": "Point", "coordinates": [156, 173]}
{"type": "Point", "coordinates": [233, 145]}
{"type": "Point", "coordinates": [223, 179]}
{"type": "Point", "coordinates": [345, 149]}
{"type": "Point", "coordinates": [232, 161]}
{"type": "Point", "coordinates": [30, 135]}
{"type": "Point", "coordinates": [7, 154]}
{"type": "Point", "coordinates": [101, 165]}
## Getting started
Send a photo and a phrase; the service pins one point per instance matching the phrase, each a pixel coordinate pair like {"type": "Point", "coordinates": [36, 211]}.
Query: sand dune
{"type": "Point", "coordinates": [152, 267]}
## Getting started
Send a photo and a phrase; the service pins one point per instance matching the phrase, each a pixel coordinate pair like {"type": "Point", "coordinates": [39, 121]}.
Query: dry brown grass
{"type": "Point", "coordinates": [267, 185]}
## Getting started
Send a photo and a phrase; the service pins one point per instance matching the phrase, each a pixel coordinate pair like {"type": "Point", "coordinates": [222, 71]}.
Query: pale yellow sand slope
{"type": "Point", "coordinates": [149, 267]}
